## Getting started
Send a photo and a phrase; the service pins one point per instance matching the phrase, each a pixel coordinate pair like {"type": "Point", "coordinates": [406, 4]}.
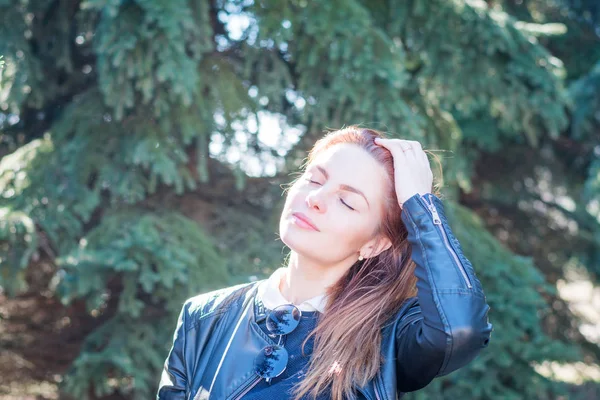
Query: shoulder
{"type": "Point", "coordinates": [210, 303]}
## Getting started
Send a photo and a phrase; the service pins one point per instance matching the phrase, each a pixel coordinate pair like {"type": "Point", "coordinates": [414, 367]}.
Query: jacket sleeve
{"type": "Point", "coordinates": [449, 326]}
{"type": "Point", "coordinates": [173, 380]}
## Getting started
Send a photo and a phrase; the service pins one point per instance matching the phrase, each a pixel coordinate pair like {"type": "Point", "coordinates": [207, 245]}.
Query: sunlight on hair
{"type": "Point", "coordinates": [336, 368]}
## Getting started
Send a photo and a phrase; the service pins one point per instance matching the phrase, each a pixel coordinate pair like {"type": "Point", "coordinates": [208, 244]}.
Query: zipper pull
{"type": "Point", "coordinates": [434, 212]}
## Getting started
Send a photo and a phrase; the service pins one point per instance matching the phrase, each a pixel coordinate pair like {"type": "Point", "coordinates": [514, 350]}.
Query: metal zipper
{"type": "Point", "coordinates": [239, 396]}
{"type": "Point", "coordinates": [437, 221]}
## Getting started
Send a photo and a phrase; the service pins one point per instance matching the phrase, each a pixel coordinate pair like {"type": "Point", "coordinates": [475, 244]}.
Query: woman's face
{"type": "Point", "coordinates": [341, 194]}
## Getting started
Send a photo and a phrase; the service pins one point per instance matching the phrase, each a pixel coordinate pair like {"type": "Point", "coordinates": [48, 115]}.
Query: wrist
{"type": "Point", "coordinates": [419, 194]}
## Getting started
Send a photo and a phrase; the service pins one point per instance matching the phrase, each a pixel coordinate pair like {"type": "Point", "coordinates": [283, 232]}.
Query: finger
{"type": "Point", "coordinates": [392, 147]}
{"type": "Point", "coordinates": [402, 144]}
{"type": "Point", "coordinates": [408, 147]}
{"type": "Point", "coordinates": [397, 146]}
{"type": "Point", "coordinates": [390, 141]}
{"type": "Point", "coordinates": [415, 143]}
{"type": "Point", "coordinates": [410, 153]}
{"type": "Point", "coordinates": [383, 141]}
{"type": "Point", "coordinates": [389, 144]}
{"type": "Point", "coordinates": [416, 146]}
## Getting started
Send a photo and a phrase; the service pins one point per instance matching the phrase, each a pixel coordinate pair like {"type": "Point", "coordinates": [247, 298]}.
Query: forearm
{"type": "Point", "coordinates": [451, 298]}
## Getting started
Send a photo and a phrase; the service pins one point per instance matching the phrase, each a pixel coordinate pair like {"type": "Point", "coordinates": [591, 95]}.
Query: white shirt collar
{"type": "Point", "coordinates": [271, 296]}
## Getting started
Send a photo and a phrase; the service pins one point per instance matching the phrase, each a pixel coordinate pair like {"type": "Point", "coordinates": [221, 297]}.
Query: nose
{"type": "Point", "coordinates": [315, 201]}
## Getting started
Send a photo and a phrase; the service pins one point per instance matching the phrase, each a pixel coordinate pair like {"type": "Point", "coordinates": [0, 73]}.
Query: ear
{"type": "Point", "coordinates": [375, 246]}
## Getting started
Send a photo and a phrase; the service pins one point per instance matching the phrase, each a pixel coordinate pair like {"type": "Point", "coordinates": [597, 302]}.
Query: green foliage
{"type": "Point", "coordinates": [585, 91]}
{"type": "Point", "coordinates": [161, 55]}
{"type": "Point", "coordinates": [491, 63]}
{"type": "Point", "coordinates": [34, 182]}
{"type": "Point", "coordinates": [109, 110]}
{"type": "Point", "coordinates": [585, 125]}
{"type": "Point", "coordinates": [154, 261]}
{"type": "Point", "coordinates": [153, 253]}
{"type": "Point", "coordinates": [120, 356]}
{"type": "Point", "coordinates": [350, 76]}
{"type": "Point", "coordinates": [18, 241]}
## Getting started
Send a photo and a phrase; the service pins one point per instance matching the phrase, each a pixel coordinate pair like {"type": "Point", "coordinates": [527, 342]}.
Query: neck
{"type": "Point", "coordinates": [304, 278]}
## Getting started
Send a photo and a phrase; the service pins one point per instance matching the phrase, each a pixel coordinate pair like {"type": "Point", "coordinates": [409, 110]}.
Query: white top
{"type": "Point", "coordinates": [271, 295]}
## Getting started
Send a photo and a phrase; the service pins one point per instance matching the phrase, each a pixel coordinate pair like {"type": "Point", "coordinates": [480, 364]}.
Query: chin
{"type": "Point", "coordinates": [296, 239]}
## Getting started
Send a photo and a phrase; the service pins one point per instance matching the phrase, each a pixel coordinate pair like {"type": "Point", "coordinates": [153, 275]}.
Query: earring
{"type": "Point", "coordinates": [360, 258]}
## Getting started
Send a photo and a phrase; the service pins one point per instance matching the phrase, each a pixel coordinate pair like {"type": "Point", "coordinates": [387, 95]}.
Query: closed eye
{"type": "Point", "coordinates": [344, 203]}
{"type": "Point", "coordinates": [341, 200]}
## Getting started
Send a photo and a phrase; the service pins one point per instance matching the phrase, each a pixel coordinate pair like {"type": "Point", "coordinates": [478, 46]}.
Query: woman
{"type": "Point", "coordinates": [376, 300]}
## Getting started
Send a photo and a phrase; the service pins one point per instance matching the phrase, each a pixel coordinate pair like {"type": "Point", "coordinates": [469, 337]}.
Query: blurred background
{"type": "Point", "coordinates": [144, 143]}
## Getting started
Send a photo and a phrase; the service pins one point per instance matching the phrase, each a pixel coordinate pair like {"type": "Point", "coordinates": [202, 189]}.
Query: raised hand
{"type": "Point", "coordinates": [412, 172]}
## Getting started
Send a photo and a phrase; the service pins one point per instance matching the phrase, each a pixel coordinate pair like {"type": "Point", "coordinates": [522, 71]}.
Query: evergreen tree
{"type": "Point", "coordinates": [120, 122]}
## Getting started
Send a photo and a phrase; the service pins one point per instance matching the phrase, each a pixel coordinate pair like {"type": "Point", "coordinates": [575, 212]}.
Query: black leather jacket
{"type": "Point", "coordinates": [440, 330]}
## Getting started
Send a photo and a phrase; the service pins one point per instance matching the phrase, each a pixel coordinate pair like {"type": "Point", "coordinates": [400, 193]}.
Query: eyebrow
{"type": "Point", "coordinates": [344, 186]}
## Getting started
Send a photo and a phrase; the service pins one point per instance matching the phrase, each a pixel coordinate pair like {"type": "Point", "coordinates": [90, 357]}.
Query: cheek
{"type": "Point", "coordinates": [292, 199]}
{"type": "Point", "coordinates": [343, 239]}
{"type": "Point", "coordinates": [351, 233]}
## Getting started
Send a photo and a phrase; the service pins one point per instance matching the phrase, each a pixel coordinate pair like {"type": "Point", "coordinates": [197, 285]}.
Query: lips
{"type": "Point", "coordinates": [306, 220]}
